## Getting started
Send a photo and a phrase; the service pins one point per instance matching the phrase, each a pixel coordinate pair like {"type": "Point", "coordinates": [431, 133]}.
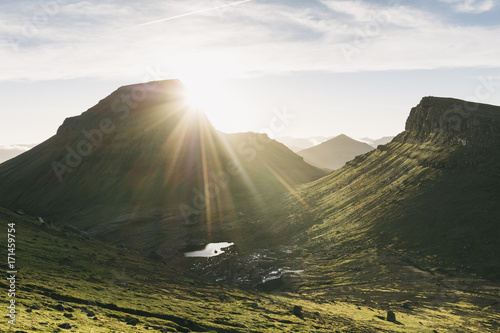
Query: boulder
{"type": "Point", "coordinates": [391, 316]}
{"type": "Point", "coordinates": [297, 311]}
{"type": "Point", "coordinates": [132, 321]}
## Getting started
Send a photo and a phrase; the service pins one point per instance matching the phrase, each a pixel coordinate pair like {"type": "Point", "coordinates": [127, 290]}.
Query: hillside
{"type": "Point", "coordinates": [67, 282]}
{"type": "Point", "coordinates": [334, 153]}
{"type": "Point", "coordinates": [431, 195]}
{"type": "Point", "coordinates": [433, 189]}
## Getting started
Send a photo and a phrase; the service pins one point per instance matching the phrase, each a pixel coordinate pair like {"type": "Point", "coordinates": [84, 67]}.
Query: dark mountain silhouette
{"type": "Point", "coordinates": [334, 153]}
{"type": "Point", "coordinates": [141, 154]}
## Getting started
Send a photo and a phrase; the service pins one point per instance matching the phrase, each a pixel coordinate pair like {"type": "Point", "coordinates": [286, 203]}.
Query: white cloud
{"type": "Point", "coordinates": [241, 40]}
{"type": "Point", "coordinates": [471, 6]}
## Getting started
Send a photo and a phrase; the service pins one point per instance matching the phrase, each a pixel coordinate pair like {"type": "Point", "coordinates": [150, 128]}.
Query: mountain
{"type": "Point", "coordinates": [334, 153]}
{"type": "Point", "coordinates": [298, 144]}
{"type": "Point", "coordinates": [430, 196]}
{"type": "Point", "coordinates": [143, 168]}
{"type": "Point", "coordinates": [11, 151]}
{"type": "Point", "coordinates": [377, 142]}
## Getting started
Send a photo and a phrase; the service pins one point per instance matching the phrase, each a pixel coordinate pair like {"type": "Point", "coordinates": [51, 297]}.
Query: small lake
{"type": "Point", "coordinates": [210, 250]}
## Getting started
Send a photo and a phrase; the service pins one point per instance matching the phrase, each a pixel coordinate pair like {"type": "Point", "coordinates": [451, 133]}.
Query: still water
{"type": "Point", "coordinates": [211, 250]}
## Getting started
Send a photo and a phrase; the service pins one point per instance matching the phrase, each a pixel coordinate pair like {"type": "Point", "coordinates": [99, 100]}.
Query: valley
{"type": "Point", "coordinates": [402, 238]}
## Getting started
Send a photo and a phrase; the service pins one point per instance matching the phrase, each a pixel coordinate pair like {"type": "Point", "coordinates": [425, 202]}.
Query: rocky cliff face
{"type": "Point", "coordinates": [452, 122]}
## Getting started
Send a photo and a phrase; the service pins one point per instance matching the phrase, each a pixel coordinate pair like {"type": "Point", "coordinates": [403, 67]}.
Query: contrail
{"type": "Point", "coordinates": [192, 13]}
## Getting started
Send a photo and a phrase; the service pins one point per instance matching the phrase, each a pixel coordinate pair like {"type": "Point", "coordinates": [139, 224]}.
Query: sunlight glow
{"type": "Point", "coordinates": [202, 74]}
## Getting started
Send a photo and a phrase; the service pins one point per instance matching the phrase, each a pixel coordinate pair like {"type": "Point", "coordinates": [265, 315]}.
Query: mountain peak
{"type": "Point", "coordinates": [452, 121]}
{"type": "Point", "coordinates": [128, 101]}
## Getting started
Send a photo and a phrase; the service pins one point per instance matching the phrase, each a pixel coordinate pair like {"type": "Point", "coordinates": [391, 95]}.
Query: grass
{"type": "Point", "coordinates": [57, 266]}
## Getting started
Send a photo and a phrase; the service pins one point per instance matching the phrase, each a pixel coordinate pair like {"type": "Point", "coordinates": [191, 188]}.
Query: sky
{"type": "Point", "coordinates": [327, 66]}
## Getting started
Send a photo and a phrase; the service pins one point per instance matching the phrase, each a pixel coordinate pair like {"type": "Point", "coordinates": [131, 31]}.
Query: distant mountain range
{"type": "Point", "coordinates": [374, 143]}
{"type": "Point", "coordinates": [334, 153]}
{"type": "Point", "coordinates": [298, 144]}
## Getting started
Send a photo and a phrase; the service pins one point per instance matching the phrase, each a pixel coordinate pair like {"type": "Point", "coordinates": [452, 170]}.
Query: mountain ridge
{"type": "Point", "coordinates": [452, 121]}
{"type": "Point", "coordinates": [143, 155]}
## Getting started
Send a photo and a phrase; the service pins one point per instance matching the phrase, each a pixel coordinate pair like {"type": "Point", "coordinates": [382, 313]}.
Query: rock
{"type": "Point", "coordinates": [452, 122]}
{"type": "Point", "coordinates": [297, 311]}
{"type": "Point", "coordinates": [29, 310]}
{"type": "Point", "coordinates": [224, 298]}
{"type": "Point", "coordinates": [391, 316]}
{"type": "Point", "coordinates": [68, 315]}
{"type": "Point", "coordinates": [90, 314]}
{"type": "Point", "coordinates": [69, 309]}
{"type": "Point", "coordinates": [60, 307]}
{"type": "Point", "coordinates": [65, 326]}
{"type": "Point", "coordinates": [406, 305]}
{"type": "Point", "coordinates": [20, 212]}
{"type": "Point", "coordinates": [156, 256]}
{"type": "Point", "coordinates": [75, 230]}
{"type": "Point", "coordinates": [20, 332]}
{"type": "Point", "coordinates": [41, 220]}
{"type": "Point", "coordinates": [36, 306]}
{"type": "Point", "coordinates": [132, 321]}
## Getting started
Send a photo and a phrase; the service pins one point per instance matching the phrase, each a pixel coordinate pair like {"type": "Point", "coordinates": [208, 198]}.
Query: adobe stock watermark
{"type": "Point", "coordinates": [45, 11]}
{"type": "Point", "coordinates": [246, 150]}
{"type": "Point", "coordinates": [368, 33]}
{"type": "Point", "coordinates": [449, 293]}
{"type": "Point", "coordinates": [121, 108]}
{"type": "Point", "coordinates": [12, 273]}
{"type": "Point", "coordinates": [485, 88]}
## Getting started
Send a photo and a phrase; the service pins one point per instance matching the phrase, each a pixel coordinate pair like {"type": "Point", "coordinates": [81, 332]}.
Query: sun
{"type": "Point", "coordinates": [203, 77]}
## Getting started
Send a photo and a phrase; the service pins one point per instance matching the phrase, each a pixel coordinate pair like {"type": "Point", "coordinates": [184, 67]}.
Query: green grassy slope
{"type": "Point", "coordinates": [57, 266]}
{"type": "Point", "coordinates": [434, 193]}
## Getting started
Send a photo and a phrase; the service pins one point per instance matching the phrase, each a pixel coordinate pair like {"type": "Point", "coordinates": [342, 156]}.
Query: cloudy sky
{"type": "Point", "coordinates": [354, 67]}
